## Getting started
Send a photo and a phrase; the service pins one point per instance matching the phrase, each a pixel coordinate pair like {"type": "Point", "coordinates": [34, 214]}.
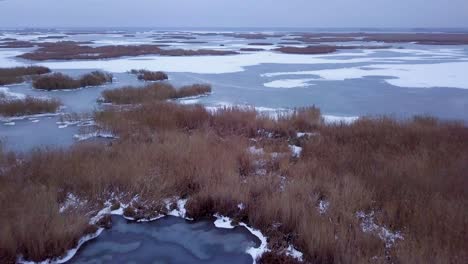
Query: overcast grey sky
{"type": "Point", "coordinates": [234, 13]}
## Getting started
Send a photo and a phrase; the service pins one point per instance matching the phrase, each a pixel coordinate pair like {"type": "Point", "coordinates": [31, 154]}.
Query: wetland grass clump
{"type": "Point", "coordinates": [146, 75]}
{"type": "Point", "coordinates": [68, 50]}
{"type": "Point", "coordinates": [27, 106]}
{"type": "Point", "coordinates": [193, 90]}
{"type": "Point", "coordinates": [20, 74]}
{"type": "Point", "coordinates": [60, 81]}
{"type": "Point", "coordinates": [153, 92]}
{"type": "Point", "coordinates": [319, 49]}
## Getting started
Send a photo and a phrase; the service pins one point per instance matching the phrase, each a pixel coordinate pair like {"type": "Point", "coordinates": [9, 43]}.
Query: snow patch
{"type": "Point", "coordinates": [80, 123]}
{"type": "Point", "coordinates": [98, 134]}
{"type": "Point", "coordinates": [226, 222]}
{"type": "Point", "coordinates": [446, 74]}
{"type": "Point", "coordinates": [304, 134]}
{"type": "Point", "coordinates": [323, 206]}
{"type": "Point", "coordinates": [256, 151]}
{"type": "Point", "coordinates": [332, 119]}
{"type": "Point", "coordinates": [223, 222]}
{"type": "Point", "coordinates": [296, 150]}
{"type": "Point", "coordinates": [180, 211]}
{"type": "Point", "coordinates": [275, 112]}
{"type": "Point", "coordinates": [293, 252]}
{"type": "Point", "coordinates": [256, 252]}
{"type": "Point", "coordinates": [289, 83]}
{"type": "Point", "coordinates": [71, 201]}
{"type": "Point", "coordinates": [30, 117]}
{"type": "Point", "coordinates": [369, 226]}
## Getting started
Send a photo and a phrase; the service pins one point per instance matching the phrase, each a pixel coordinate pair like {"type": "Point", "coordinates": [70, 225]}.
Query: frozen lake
{"type": "Point", "coordinates": [404, 80]}
{"type": "Point", "coordinates": [400, 81]}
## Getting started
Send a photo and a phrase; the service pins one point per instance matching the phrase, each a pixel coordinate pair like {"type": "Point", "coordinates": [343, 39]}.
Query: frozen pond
{"type": "Point", "coordinates": [167, 240]}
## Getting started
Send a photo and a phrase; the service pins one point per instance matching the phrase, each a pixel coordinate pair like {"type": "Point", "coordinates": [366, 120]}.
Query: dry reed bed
{"type": "Point", "coordinates": [60, 81]}
{"type": "Point", "coordinates": [419, 38]}
{"type": "Point", "coordinates": [153, 92]}
{"type": "Point", "coordinates": [28, 106]}
{"type": "Point", "coordinates": [412, 174]}
{"type": "Point", "coordinates": [146, 75]}
{"type": "Point", "coordinates": [19, 74]}
{"type": "Point", "coordinates": [324, 49]}
{"type": "Point", "coordinates": [73, 51]}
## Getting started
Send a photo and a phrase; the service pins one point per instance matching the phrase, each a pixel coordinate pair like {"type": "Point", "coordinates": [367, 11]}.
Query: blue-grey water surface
{"type": "Point", "coordinates": [167, 240]}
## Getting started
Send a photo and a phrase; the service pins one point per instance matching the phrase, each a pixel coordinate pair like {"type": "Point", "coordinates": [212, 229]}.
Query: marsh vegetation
{"type": "Point", "coordinates": [60, 81]}
{"type": "Point", "coordinates": [409, 176]}
{"type": "Point", "coordinates": [146, 75]}
{"type": "Point", "coordinates": [27, 106]}
{"type": "Point", "coordinates": [153, 92]}
{"type": "Point", "coordinates": [20, 74]}
{"type": "Point", "coordinates": [74, 51]}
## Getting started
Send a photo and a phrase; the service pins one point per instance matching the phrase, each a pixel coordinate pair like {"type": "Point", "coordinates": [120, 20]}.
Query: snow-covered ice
{"type": "Point", "coordinates": [5, 91]}
{"type": "Point", "coordinates": [223, 222]}
{"type": "Point", "coordinates": [98, 134]}
{"type": "Point", "coordinates": [446, 74]}
{"type": "Point", "coordinates": [289, 83]}
{"type": "Point", "coordinates": [212, 64]}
